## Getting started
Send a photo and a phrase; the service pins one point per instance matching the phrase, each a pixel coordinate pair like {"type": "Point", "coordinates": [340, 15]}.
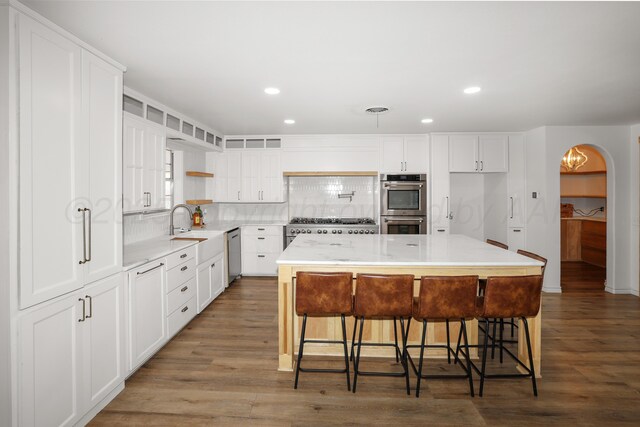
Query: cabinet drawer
{"type": "Point", "coordinates": [181, 316]}
{"type": "Point", "coordinates": [180, 274]}
{"type": "Point", "coordinates": [180, 257]}
{"type": "Point", "coordinates": [260, 264]}
{"type": "Point", "coordinates": [181, 295]}
{"type": "Point", "coordinates": [262, 244]}
{"type": "Point", "coordinates": [262, 230]}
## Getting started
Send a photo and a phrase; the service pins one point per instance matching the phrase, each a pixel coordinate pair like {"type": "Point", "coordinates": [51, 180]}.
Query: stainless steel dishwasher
{"type": "Point", "coordinates": [234, 265]}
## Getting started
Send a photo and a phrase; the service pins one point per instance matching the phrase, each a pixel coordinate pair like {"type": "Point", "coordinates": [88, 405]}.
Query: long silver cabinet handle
{"type": "Point", "coordinates": [84, 310]}
{"type": "Point", "coordinates": [84, 236]}
{"type": "Point", "coordinates": [476, 165]}
{"type": "Point", "coordinates": [511, 207]}
{"type": "Point", "coordinates": [481, 165]}
{"type": "Point", "coordinates": [446, 214]}
{"type": "Point", "coordinates": [151, 269]}
{"type": "Point", "coordinates": [90, 306]}
{"type": "Point", "coordinates": [238, 195]}
{"type": "Point", "coordinates": [90, 242]}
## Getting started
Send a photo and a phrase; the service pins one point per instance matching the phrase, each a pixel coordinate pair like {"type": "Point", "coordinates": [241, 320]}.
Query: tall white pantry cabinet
{"type": "Point", "coordinates": [66, 305]}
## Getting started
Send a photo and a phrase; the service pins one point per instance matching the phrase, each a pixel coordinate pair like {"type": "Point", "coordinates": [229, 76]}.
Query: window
{"type": "Point", "coordinates": [168, 179]}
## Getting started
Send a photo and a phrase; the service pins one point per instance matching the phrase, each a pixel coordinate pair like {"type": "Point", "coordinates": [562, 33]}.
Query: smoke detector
{"type": "Point", "coordinates": [376, 110]}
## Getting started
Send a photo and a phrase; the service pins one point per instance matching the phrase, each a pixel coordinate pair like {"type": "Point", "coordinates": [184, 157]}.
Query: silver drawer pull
{"type": "Point", "coordinates": [84, 310]}
{"type": "Point", "coordinates": [151, 269]}
{"type": "Point", "coordinates": [184, 268]}
{"type": "Point", "coordinates": [517, 231]}
{"type": "Point", "coordinates": [184, 289]}
{"type": "Point", "coordinates": [260, 229]}
{"type": "Point", "coordinates": [184, 309]}
{"type": "Point", "coordinates": [260, 256]}
{"type": "Point", "coordinates": [183, 256]}
{"type": "Point", "coordinates": [261, 238]}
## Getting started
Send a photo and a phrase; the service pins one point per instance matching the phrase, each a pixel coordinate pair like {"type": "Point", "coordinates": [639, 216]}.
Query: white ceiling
{"type": "Point", "coordinates": [538, 63]}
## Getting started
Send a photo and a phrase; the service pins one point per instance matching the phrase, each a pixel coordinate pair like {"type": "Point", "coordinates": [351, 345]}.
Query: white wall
{"type": "Point", "coordinates": [634, 250]}
{"type": "Point", "coordinates": [5, 275]}
{"type": "Point", "coordinates": [495, 206]}
{"type": "Point", "coordinates": [467, 204]}
{"type": "Point", "coordinates": [544, 149]}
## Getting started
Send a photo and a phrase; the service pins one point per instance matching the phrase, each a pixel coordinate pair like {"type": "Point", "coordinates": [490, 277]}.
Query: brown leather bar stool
{"type": "Point", "coordinates": [506, 297]}
{"type": "Point", "coordinates": [444, 298]}
{"type": "Point", "coordinates": [382, 297]}
{"type": "Point", "coordinates": [482, 283]}
{"type": "Point", "coordinates": [323, 294]}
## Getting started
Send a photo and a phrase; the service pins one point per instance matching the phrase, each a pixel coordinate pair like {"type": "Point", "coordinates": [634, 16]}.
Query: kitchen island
{"type": "Point", "coordinates": [420, 255]}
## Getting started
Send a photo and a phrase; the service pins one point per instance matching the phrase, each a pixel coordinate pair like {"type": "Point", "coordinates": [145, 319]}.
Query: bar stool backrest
{"type": "Point", "coordinates": [536, 257]}
{"type": "Point", "coordinates": [324, 293]}
{"type": "Point", "coordinates": [446, 297]}
{"type": "Point", "coordinates": [512, 296]}
{"type": "Point", "coordinates": [379, 295]}
{"type": "Point", "coordinates": [498, 244]}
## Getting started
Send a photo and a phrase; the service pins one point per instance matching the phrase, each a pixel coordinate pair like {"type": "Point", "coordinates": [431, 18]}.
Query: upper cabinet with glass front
{"type": "Point", "coordinates": [181, 132]}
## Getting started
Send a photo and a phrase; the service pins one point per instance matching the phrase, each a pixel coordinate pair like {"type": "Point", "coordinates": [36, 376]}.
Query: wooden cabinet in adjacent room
{"type": "Point", "coordinates": [593, 242]}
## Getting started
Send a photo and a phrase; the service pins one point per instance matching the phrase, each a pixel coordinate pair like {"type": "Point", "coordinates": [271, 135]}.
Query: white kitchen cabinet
{"type": "Point", "coordinates": [516, 238]}
{"type": "Point", "coordinates": [473, 153]}
{"type": "Point", "coordinates": [50, 364]}
{"type": "Point", "coordinates": [516, 191]}
{"type": "Point", "coordinates": [440, 213]}
{"type": "Point", "coordinates": [102, 111]}
{"type": "Point", "coordinates": [147, 312]}
{"type": "Point", "coordinates": [71, 354]}
{"type": "Point", "coordinates": [251, 176]}
{"type": "Point", "coordinates": [261, 247]}
{"type": "Point", "coordinates": [262, 180]}
{"type": "Point", "coordinates": [227, 184]}
{"type": "Point", "coordinates": [69, 150]}
{"type": "Point", "coordinates": [103, 339]}
{"type": "Point", "coordinates": [405, 154]}
{"type": "Point", "coordinates": [144, 145]}
{"type": "Point", "coordinates": [210, 281]}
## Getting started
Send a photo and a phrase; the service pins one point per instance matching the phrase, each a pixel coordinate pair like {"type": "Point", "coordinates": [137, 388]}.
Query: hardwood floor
{"type": "Point", "coordinates": [221, 370]}
{"type": "Point", "coordinates": [579, 276]}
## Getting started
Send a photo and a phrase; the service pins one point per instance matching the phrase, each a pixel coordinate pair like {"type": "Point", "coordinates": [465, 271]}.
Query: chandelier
{"type": "Point", "coordinates": [574, 159]}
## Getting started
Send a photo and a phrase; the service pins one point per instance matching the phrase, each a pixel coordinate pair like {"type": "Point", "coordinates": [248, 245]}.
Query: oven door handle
{"type": "Point", "coordinates": [414, 220]}
{"type": "Point", "coordinates": [402, 184]}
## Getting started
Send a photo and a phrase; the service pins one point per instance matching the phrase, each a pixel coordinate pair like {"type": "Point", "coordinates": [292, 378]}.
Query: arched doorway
{"type": "Point", "coordinates": [583, 212]}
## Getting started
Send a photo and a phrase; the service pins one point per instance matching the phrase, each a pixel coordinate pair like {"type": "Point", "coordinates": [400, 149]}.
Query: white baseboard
{"type": "Point", "coordinates": [552, 290]}
{"type": "Point", "coordinates": [100, 406]}
{"type": "Point", "coordinates": [627, 291]}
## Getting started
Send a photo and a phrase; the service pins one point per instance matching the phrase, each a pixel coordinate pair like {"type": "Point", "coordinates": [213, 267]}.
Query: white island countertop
{"type": "Point", "coordinates": [399, 250]}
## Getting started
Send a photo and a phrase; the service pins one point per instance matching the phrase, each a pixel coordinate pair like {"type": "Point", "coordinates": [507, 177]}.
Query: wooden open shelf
{"type": "Point", "coordinates": [599, 172]}
{"type": "Point", "coordinates": [336, 173]}
{"type": "Point", "coordinates": [200, 174]}
{"type": "Point", "coordinates": [587, 196]}
{"type": "Point", "coordinates": [199, 202]}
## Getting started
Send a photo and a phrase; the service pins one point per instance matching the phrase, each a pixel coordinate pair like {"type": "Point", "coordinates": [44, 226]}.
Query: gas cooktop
{"type": "Point", "coordinates": [332, 221]}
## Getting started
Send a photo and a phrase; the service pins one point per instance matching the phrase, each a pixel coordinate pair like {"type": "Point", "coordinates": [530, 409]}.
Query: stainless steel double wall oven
{"type": "Point", "coordinates": [403, 207]}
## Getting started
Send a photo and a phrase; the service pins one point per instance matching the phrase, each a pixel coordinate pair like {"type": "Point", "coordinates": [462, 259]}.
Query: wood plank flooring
{"type": "Point", "coordinates": [221, 370]}
{"type": "Point", "coordinates": [579, 276]}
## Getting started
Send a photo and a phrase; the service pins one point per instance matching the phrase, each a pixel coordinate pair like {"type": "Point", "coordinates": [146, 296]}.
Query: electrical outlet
{"type": "Point", "coordinates": [534, 195]}
{"type": "Point", "coordinates": [601, 208]}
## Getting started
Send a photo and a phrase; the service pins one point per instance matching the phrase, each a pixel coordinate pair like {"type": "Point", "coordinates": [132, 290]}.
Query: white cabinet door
{"type": "Point", "coordinates": [217, 276]}
{"type": "Point", "coordinates": [440, 183]}
{"type": "Point", "coordinates": [103, 339]}
{"type": "Point", "coordinates": [393, 154]}
{"type": "Point", "coordinates": [271, 181]}
{"type": "Point", "coordinates": [516, 239]}
{"type": "Point", "coordinates": [153, 165]}
{"type": "Point", "coordinates": [134, 133]}
{"type": "Point", "coordinates": [416, 153]}
{"type": "Point", "coordinates": [204, 291]}
{"type": "Point", "coordinates": [53, 159]}
{"type": "Point", "coordinates": [251, 176]}
{"type": "Point", "coordinates": [463, 153]}
{"type": "Point", "coordinates": [234, 176]}
{"type": "Point", "coordinates": [49, 370]}
{"type": "Point", "coordinates": [516, 182]}
{"type": "Point", "coordinates": [102, 119]}
{"type": "Point", "coordinates": [494, 153]}
{"type": "Point", "coordinates": [147, 312]}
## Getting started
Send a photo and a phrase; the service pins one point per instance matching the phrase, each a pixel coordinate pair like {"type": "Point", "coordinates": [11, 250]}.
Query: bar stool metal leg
{"type": "Point", "coordinates": [531, 364]}
{"type": "Point", "coordinates": [357, 361]}
{"type": "Point", "coordinates": [484, 357]}
{"type": "Point", "coordinates": [346, 357]}
{"type": "Point", "coordinates": [448, 343]}
{"type": "Point", "coordinates": [300, 350]}
{"type": "Point", "coordinates": [463, 331]}
{"type": "Point", "coordinates": [405, 365]}
{"type": "Point", "coordinates": [422, 342]}
{"type": "Point", "coordinates": [395, 335]}
{"type": "Point", "coordinates": [353, 337]}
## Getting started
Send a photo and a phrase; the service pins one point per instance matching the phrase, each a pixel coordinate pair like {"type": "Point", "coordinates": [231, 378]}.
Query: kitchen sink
{"type": "Point", "coordinates": [206, 249]}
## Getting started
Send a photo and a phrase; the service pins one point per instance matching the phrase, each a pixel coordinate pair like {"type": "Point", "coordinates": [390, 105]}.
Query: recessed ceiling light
{"type": "Point", "coordinates": [289, 121]}
{"type": "Point", "coordinates": [272, 91]}
{"type": "Point", "coordinates": [472, 89]}
{"type": "Point", "coordinates": [427, 120]}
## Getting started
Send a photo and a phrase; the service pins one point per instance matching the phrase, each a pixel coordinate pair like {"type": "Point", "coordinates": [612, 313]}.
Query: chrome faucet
{"type": "Point", "coordinates": [171, 230]}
